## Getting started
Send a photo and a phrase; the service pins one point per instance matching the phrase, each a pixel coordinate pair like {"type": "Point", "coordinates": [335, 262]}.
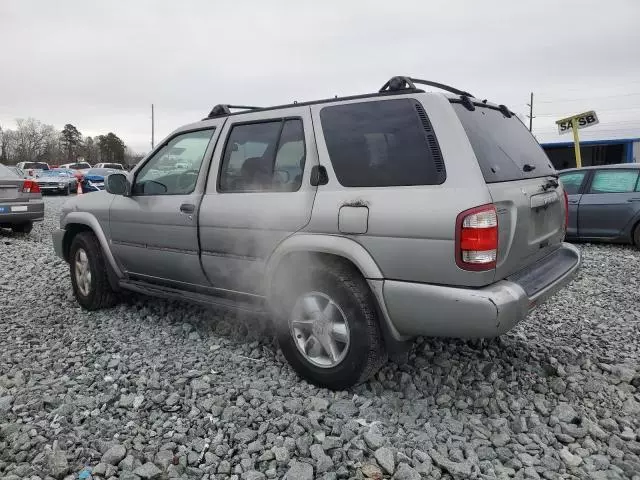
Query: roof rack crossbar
{"type": "Point", "coordinates": [405, 83]}
{"type": "Point", "coordinates": [225, 109]}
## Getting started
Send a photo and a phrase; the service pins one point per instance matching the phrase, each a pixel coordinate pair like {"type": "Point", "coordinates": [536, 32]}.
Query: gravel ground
{"type": "Point", "coordinates": [157, 389]}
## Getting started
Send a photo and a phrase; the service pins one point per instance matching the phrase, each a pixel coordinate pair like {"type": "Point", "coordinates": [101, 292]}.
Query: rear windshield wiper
{"type": "Point", "coordinates": [528, 167]}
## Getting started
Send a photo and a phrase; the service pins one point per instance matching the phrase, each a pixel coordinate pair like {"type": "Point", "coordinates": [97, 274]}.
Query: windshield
{"type": "Point", "coordinates": [505, 149]}
{"type": "Point", "coordinates": [54, 173]}
{"type": "Point", "coordinates": [79, 166]}
{"type": "Point", "coordinates": [116, 166]}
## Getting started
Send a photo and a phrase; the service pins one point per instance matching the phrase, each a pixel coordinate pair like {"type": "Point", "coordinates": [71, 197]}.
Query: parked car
{"type": "Point", "coordinates": [96, 176]}
{"type": "Point", "coordinates": [604, 203]}
{"type": "Point", "coordinates": [21, 203]}
{"type": "Point", "coordinates": [80, 167]}
{"type": "Point", "coordinates": [112, 166]}
{"type": "Point", "coordinates": [357, 222]}
{"type": "Point", "coordinates": [58, 180]}
{"type": "Point", "coordinates": [33, 169]}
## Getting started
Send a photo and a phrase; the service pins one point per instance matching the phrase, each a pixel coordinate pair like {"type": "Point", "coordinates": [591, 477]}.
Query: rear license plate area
{"type": "Point", "coordinates": [19, 208]}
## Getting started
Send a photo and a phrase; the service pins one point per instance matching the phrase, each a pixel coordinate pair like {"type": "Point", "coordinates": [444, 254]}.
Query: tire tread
{"type": "Point", "coordinates": [104, 296]}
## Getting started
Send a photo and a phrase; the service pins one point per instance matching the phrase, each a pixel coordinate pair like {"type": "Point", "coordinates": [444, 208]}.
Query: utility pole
{"type": "Point", "coordinates": [153, 127]}
{"type": "Point", "coordinates": [530, 116]}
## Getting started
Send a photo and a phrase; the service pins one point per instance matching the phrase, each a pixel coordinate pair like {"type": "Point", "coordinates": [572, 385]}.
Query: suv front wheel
{"type": "Point", "coordinates": [89, 273]}
{"type": "Point", "coordinates": [328, 326]}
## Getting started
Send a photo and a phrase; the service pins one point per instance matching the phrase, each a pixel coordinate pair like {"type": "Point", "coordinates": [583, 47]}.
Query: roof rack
{"type": "Point", "coordinates": [224, 109]}
{"type": "Point", "coordinates": [407, 83]}
{"type": "Point", "coordinates": [395, 86]}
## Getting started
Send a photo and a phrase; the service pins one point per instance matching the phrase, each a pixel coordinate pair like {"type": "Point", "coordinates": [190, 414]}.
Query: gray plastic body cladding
{"type": "Point", "coordinates": [97, 220]}
{"type": "Point", "coordinates": [442, 311]}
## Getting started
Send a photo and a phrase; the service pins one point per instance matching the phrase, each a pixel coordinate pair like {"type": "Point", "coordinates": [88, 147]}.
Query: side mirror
{"type": "Point", "coordinates": [118, 184]}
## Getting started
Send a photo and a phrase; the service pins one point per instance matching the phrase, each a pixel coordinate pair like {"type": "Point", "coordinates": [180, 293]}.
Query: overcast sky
{"type": "Point", "coordinates": [100, 65]}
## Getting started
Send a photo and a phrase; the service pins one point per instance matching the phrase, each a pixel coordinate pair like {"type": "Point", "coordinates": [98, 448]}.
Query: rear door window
{"type": "Point", "coordinates": [572, 182]}
{"type": "Point", "coordinates": [264, 156]}
{"type": "Point", "coordinates": [614, 181]}
{"type": "Point", "coordinates": [503, 146]}
{"type": "Point", "coordinates": [382, 143]}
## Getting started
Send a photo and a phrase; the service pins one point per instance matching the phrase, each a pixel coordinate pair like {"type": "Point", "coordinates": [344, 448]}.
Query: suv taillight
{"type": "Point", "coordinates": [29, 186]}
{"type": "Point", "coordinates": [477, 238]}
{"type": "Point", "coordinates": [566, 211]}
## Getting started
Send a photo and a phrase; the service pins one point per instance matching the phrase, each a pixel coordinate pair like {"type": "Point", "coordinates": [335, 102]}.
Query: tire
{"type": "Point", "coordinates": [22, 227]}
{"type": "Point", "coordinates": [636, 236]}
{"type": "Point", "coordinates": [94, 292]}
{"type": "Point", "coordinates": [67, 191]}
{"type": "Point", "coordinates": [342, 285]}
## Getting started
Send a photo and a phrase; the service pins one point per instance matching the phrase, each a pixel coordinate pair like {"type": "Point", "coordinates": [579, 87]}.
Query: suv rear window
{"type": "Point", "coordinates": [36, 166]}
{"type": "Point", "coordinates": [503, 146]}
{"type": "Point", "coordinates": [382, 143]}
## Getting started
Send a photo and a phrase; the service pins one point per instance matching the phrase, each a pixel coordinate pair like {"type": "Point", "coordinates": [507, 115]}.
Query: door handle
{"type": "Point", "coordinates": [573, 202]}
{"type": "Point", "coordinates": [187, 208]}
{"type": "Point", "coordinates": [637, 199]}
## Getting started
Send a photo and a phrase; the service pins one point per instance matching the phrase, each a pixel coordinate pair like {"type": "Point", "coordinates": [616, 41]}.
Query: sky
{"type": "Point", "coordinates": [100, 65]}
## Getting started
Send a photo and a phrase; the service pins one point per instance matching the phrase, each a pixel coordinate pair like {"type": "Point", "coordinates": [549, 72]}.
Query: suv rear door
{"type": "Point", "coordinates": [522, 183]}
{"type": "Point", "coordinates": [258, 193]}
{"type": "Point", "coordinates": [610, 202]}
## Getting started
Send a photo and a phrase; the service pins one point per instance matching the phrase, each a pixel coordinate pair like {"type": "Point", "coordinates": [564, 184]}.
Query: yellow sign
{"type": "Point", "coordinates": [575, 122]}
{"type": "Point", "coordinates": [582, 120]}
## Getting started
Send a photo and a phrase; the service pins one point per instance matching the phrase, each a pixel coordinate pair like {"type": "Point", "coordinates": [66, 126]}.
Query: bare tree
{"type": "Point", "coordinates": [7, 146]}
{"type": "Point", "coordinates": [32, 139]}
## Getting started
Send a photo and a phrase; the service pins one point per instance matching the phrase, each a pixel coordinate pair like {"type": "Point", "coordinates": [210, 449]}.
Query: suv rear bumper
{"type": "Point", "coordinates": [441, 311]}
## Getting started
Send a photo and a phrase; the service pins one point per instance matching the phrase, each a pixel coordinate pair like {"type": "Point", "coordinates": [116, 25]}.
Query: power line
{"type": "Point", "coordinates": [560, 115]}
{"type": "Point", "coordinates": [590, 98]}
{"type": "Point", "coordinates": [608, 87]}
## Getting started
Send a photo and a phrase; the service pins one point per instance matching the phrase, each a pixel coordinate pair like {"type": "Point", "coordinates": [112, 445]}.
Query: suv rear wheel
{"type": "Point", "coordinates": [636, 236]}
{"type": "Point", "coordinates": [89, 273]}
{"type": "Point", "coordinates": [328, 326]}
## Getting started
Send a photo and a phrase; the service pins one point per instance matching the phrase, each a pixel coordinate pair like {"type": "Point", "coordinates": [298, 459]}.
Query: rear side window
{"type": "Point", "coordinates": [382, 143]}
{"type": "Point", "coordinates": [572, 182]}
{"type": "Point", "coordinates": [505, 149]}
{"type": "Point", "coordinates": [614, 181]}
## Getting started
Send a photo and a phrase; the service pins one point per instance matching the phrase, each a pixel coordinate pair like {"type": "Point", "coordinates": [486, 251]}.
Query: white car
{"type": "Point", "coordinates": [80, 167]}
{"type": "Point", "coordinates": [113, 166]}
{"type": "Point", "coordinates": [33, 169]}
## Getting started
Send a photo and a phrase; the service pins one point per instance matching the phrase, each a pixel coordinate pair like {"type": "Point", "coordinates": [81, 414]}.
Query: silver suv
{"type": "Point", "coordinates": [357, 222]}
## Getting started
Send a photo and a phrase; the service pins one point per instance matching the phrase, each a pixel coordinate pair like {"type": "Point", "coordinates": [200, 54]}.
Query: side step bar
{"type": "Point", "coordinates": [194, 297]}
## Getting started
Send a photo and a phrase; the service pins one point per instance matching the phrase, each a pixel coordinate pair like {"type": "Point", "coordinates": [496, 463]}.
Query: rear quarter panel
{"type": "Point", "coordinates": [410, 232]}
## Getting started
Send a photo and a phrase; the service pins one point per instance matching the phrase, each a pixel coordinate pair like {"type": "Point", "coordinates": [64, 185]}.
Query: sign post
{"type": "Point", "coordinates": [575, 122]}
{"type": "Point", "coordinates": [576, 144]}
